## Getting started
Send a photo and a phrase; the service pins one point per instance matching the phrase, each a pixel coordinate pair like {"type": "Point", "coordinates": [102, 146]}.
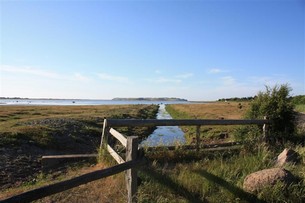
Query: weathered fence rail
{"type": "Point", "coordinates": [192, 147]}
{"type": "Point", "coordinates": [52, 161]}
{"type": "Point", "coordinates": [131, 160]}
{"type": "Point", "coordinates": [131, 144]}
{"type": "Point", "coordinates": [186, 122]}
{"type": "Point", "coordinates": [180, 122]}
{"type": "Point", "coordinates": [68, 184]}
{"type": "Point", "coordinates": [129, 165]}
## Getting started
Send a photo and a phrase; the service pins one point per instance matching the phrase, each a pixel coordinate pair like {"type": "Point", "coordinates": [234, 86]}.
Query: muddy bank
{"type": "Point", "coordinates": [23, 145]}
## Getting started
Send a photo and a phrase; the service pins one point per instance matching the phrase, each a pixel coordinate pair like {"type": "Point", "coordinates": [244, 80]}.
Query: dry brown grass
{"type": "Point", "coordinates": [110, 189]}
{"type": "Point", "coordinates": [20, 133]}
{"type": "Point", "coordinates": [215, 110]}
{"type": "Point", "coordinates": [9, 115]}
{"type": "Point", "coordinates": [229, 110]}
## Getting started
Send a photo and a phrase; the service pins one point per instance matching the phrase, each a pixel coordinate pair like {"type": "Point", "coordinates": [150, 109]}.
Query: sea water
{"type": "Point", "coordinates": [71, 102]}
{"type": "Point", "coordinates": [165, 135]}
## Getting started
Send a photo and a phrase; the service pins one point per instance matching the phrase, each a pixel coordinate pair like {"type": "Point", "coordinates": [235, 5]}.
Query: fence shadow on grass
{"type": "Point", "coordinates": [231, 188]}
{"type": "Point", "coordinates": [173, 186]}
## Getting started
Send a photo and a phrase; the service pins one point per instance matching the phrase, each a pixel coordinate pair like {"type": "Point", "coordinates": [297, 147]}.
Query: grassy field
{"type": "Point", "coordinates": [216, 176]}
{"type": "Point", "coordinates": [45, 126]}
{"type": "Point", "coordinates": [177, 176]}
{"type": "Point", "coordinates": [217, 110]}
{"type": "Point", "coordinates": [300, 108]}
{"type": "Point", "coordinates": [29, 132]}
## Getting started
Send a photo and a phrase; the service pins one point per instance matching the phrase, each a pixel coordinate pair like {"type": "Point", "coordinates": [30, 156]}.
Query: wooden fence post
{"type": "Point", "coordinates": [103, 133]}
{"type": "Point", "coordinates": [197, 137]}
{"type": "Point", "coordinates": [131, 174]}
{"type": "Point", "coordinates": [104, 139]}
{"type": "Point", "coordinates": [265, 130]}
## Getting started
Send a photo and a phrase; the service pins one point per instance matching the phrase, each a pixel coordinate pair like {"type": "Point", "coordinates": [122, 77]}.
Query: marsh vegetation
{"type": "Point", "coordinates": [29, 132]}
{"type": "Point", "coordinates": [170, 176]}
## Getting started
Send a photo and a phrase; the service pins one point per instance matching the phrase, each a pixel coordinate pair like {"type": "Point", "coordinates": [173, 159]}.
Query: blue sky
{"type": "Point", "coordinates": [198, 50]}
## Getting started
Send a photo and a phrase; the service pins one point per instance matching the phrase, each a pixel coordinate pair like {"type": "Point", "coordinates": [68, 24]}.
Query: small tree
{"type": "Point", "coordinates": [275, 104]}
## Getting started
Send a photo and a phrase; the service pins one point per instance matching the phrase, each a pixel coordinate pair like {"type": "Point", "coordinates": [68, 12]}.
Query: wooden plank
{"type": "Point", "coordinates": [119, 137]}
{"type": "Point", "coordinates": [265, 131]}
{"type": "Point", "coordinates": [103, 132]}
{"type": "Point", "coordinates": [131, 174]}
{"type": "Point", "coordinates": [73, 182]}
{"type": "Point", "coordinates": [69, 156]}
{"type": "Point", "coordinates": [197, 137]}
{"type": "Point", "coordinates": [182, 122]}
{"type": "Point", "coordinates": [192, 147]}
{"type": "Point", "coordinates": [115, 155]}
{"type": "Point", "coordinates": [55, 160]}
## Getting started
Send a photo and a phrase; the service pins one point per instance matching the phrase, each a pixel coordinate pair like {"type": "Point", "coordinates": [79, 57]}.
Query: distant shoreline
{"type": "Point", "coordinates": [74, 102]}
{"type": "Point", "coordinates": [149, 99]}
{"type": "Point", "coordinates": [114, 99]}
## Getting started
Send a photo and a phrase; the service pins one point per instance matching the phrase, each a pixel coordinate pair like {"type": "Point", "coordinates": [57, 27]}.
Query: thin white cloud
{"type": "Point", "coordinates": [42, 73]}
{"type": "Point", "coordinates": [174, 79]}
{"type": "Point", "coordinates": [260, 80]}
{"type": "Point", "coordinates": [161, 80]}
{"type": "Point", "coordinates": [271, 80]}
{"type": "Point", "coordinates": [158, 71]}
{"type": "Point", "coordinates": [228, 80]}
{"type": "Point", "coordinates": [215, 71]}
{"type": "Point", "coordinates": [184, 76]}
{"type": "Point", "coordinates": [114, 78]}
{"type": "Point", "coordinates": [80, 77]}
{"type": "Point", "coordinates": [30, 70]}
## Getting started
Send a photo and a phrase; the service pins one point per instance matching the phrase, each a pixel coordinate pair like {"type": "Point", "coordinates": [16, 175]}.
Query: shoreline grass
{"type": "Point", "coordinates": [300, 108]}
{"type": "Point", "coordinates": [216, 178]}
{"type": "Point", "coordinates": [216, 110]}
{"type": "Point", "coordinates": [51, 130]}
{"type": "Point", "coordinates": [176, 176]}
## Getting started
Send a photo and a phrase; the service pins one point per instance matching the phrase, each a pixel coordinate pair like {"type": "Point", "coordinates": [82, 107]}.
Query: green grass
{"type": "Point", "coordinates": [48, 126]}
{"type": "Point", "coordinates": [208, 111]}
{"type": "Point", "coordinates": [217, 177]}
{"type": "Point", "coordinates": [190, 176]}
{"type": "Point", "coordinates": [300, 108]}
{"type": "Point", "coordinates": [29, 132]}
{"type": "Point", "coordinates": [187, 176]}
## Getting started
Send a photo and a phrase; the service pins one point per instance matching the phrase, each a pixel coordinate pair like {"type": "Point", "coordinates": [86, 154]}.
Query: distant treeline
{"type": "Point", "coordinates": [12, 98]}
{"type": "Point", "coordinates": [150, 99]}
{"type": "Point", "coordinates": [238, 99]}
{"type": "Point", "coordinates": [296, 100]}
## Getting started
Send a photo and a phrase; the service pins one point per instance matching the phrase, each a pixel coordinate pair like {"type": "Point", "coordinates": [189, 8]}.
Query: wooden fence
{"type": "Point", "coordinates": [131, 160]}
{"type": "Point", "coordinates": [184, 122]}
{"type": "Point", "coordinates": [131, 145]}
{"type": "Point", "coordinates": [128, 164]}
{"type": "Point", "coordinates": [71, 183]}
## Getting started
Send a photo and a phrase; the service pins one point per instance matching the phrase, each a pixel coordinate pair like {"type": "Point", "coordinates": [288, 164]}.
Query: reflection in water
{"type": "Point", "coordinates": [165, 135]}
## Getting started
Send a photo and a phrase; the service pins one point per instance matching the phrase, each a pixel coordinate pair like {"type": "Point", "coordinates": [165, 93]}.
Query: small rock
{"type": "Point", "coordinates": [288, 156]}
{"type": "Point", "coordinates": [223, 135]}
{"type": "Point", "coordinates": [256, 181]}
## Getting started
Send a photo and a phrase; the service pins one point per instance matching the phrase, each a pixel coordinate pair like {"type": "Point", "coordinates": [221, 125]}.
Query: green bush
{"type": "Point", "coordinates": [247, 133]}
{"type": "Point", "coordinates": [297, 100]}
{"type": "Point", "coordinates": [275, 103]}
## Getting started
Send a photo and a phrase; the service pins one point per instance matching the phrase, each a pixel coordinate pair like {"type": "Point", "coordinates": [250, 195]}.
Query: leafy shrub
{"type": "Point", "coordinates": [275, 103]}
{"type": "Point", "coordinates": [300, 99]}
{"type": "Point", "coordinates": [246, 133]}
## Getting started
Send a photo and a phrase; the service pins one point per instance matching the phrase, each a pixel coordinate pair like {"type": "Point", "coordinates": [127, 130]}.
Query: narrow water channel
{"type": "Point", "coordinates": [165, 135]}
